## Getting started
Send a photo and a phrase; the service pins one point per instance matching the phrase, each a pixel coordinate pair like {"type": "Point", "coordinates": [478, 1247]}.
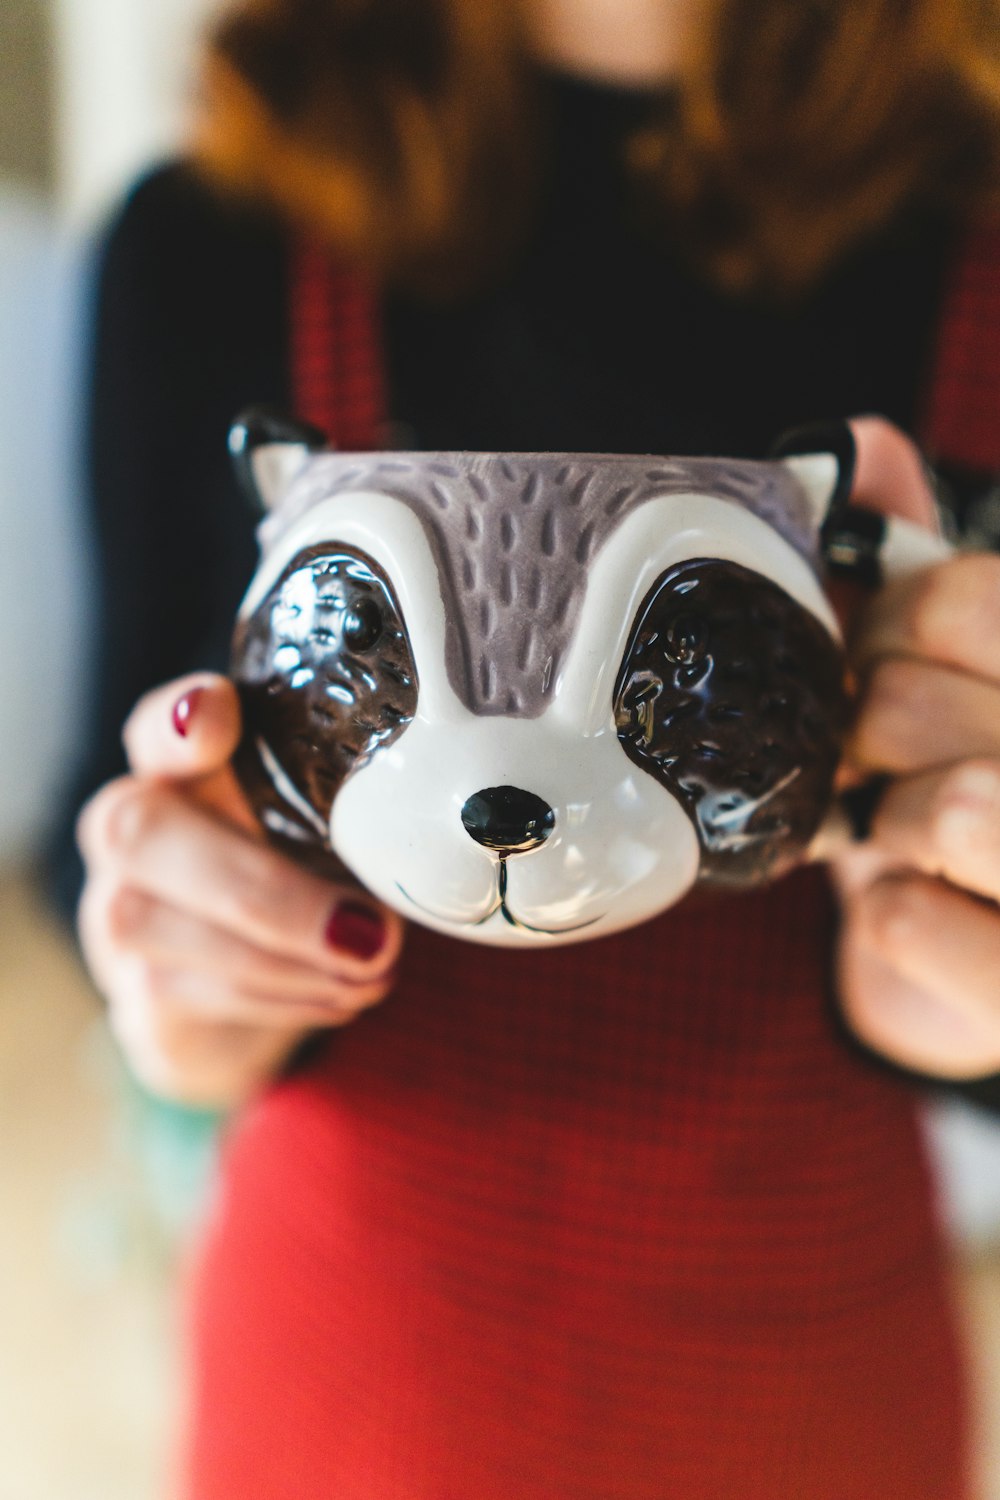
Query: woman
{"type": "Point", "coordinates": [618, 1220]}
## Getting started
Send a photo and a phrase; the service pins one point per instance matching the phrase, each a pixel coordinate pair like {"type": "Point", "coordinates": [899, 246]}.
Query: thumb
{"type": "Point", "coordinates": [890, 475]}
{"type": "Point", "coordinates": [186, 731]}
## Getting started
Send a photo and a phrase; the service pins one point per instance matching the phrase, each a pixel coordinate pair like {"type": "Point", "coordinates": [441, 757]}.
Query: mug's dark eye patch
{"type": "Point", "coordinates": [732, 695]}
{"type": "Point", "coordinates": [326, 675]}
{"type": "Point", "coordinates": [685, 639]}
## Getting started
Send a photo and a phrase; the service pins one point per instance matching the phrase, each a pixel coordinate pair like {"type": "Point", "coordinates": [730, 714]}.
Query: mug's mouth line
{"type": "Point", "coordinates": [500, 905]}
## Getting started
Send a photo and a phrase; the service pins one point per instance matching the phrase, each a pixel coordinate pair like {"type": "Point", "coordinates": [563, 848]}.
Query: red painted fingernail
{"type": "Point", "coordinates": [184, 710]}
{"type": "Point", "coordinates": [355, 928]}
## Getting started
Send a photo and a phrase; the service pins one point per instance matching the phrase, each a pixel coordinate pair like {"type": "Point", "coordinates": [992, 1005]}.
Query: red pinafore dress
{"type": "Point", "coordinates": [619, 1221]}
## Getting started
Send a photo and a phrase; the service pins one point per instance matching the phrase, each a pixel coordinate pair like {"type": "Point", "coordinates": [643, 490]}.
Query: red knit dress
{"type": "Point", "coordinates": [620, 1221]}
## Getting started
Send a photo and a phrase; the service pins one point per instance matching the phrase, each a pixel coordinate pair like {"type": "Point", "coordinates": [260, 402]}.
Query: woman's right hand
{"type": "Point", "coordinates": [217, 955]}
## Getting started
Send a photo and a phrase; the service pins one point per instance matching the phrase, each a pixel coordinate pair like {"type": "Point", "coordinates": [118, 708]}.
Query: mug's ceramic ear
{"type": "Point", "coordinates": [851, 537]}
{"type": "Point", "coordinates": [829, 483]}
{"type": "Point", "coordinates": [268, 450]}
{"type": "Point", "coordinates": [854, 540]}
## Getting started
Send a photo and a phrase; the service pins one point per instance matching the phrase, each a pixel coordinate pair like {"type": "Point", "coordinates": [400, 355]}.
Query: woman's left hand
{"type": "Point", "coordinates": [919, 955]}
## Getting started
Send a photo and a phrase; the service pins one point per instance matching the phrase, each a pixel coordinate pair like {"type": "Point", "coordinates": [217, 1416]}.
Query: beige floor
{"type": "Point", "coordinates": [94, 1188]}
{"type": "Point", "coordinates": [86, 1340]}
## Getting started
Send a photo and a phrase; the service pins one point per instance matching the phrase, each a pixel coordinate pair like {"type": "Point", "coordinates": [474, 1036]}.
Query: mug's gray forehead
{"type": "Point", "coordinates": [513, 535]}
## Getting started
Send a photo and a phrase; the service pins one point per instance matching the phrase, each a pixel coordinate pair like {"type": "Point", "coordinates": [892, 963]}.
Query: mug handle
{"type": "Point", "coordinates": [871, 549]}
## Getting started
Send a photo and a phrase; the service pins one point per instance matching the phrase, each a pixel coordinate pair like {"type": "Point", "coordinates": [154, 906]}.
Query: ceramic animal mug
{"type": "Point", "coordinates": [536, 698]}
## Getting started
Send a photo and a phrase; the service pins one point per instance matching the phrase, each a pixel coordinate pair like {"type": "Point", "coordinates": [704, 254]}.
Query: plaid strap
{"type": "Point", "coordinates": [962, 421]}
{"type": "Point", "coordinates": [336, 354]}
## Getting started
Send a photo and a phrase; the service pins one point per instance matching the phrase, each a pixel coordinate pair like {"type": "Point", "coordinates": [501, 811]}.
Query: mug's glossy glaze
{"type": "Point", "coordinates": [534, 698]}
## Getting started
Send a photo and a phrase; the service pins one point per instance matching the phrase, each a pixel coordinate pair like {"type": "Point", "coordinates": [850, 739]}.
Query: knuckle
{"type": "Point", "coordinates": [125, 910]}
{"type": "Point", "coordinates": [339, 1004]}
{"type": "Point", "coordinates": [349, 1004]}
{"type": "Point", "coordinates": [173, 1054]}
{"type": "Point", "coordinates": [91, 924]}
{"type": "Point", "coordinates": [966, 807]}
{"type": "Point", "coordinates": [975, 783]}
{"type": "Point", "coordinates": [110, 916]}
{"type": "Point", "coordinates": [895, 701]}
{"type": "Point", "coordinates": [142, 989]}
{"type": "Point", "coordinates": [958, 600]}
{"type": "Point", "coordinates": [893, 913]}
{"type": "Point", "coordinates": [348, 1012]}
{"type": "Point", "coordinates": [92, 824]}
{"type": "Point", "coordinates": [374, 993]}
{"type": "Point", "coordinates": [321, 1013]}
{"type": "Point", "coordinates": [134, 818]}
{"type": "Point", "coordinates": [132, 1009]}
{"type": "Point", "coordinates": [262, 901]}
{"type": "Point", "coordinates": [272, 896]}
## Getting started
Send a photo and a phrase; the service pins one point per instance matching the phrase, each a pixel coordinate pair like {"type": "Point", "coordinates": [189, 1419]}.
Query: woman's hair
{"type": "Point", "coordinates": [411, 132]}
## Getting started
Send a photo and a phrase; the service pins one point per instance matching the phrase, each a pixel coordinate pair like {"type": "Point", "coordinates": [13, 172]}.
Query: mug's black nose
{"type": "Point", "coordinates": [508, 820]}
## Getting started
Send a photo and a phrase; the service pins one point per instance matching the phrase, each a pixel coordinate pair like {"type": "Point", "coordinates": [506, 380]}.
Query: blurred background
{"type": "Point", "coordinates": [100, 1186]}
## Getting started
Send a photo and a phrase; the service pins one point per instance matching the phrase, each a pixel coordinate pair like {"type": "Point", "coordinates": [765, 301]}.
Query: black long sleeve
{"type": "Point", "coordinates": [188, 328]}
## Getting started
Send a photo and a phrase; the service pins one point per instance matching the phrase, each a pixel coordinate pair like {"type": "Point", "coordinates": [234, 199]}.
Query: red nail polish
{"type": "Point", "coordinates": [355, 928]}
{"type": "Point", "coordinates": [184, 710]}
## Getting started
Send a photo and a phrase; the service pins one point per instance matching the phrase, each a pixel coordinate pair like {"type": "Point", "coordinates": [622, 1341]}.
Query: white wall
{"type": "Point", "coordinates": [125, 71]}
{"type": "Point", "coordinates": [43, 555]}
{"type": "Point", "coordinates": [965, 1149]}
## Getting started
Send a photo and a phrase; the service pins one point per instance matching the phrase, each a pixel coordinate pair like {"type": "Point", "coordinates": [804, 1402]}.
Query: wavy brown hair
{"type": "Point", "coordinates": [411, 134]}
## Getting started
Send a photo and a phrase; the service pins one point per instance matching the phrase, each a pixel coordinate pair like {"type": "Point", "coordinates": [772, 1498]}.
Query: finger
{"type": "Point", "coordinates": [946, 823]}
{"type": "Point", "coordinates": [890, 475]}
{"type": "Point", "coordinates": [211, 1045]}
{"type": "Point", "coordinates": [93, 929]}
{"type": "Point", "coordinates": [908, 1023]}
{"type": "Point", "coordinates": [151, 837]}
{"type": "Point", "coordinates": [186, 728]}
{"type": "Point", "coordinates": [195, 1061]}
{"type": "Point", "coordinates": [942, 944]}
{"type": "Point", "coordinates": [213, 997]}
{"type": "Point", "coordinates": [949, 614]}
{"type": "Point", "coordinates": [915, 715]}
{"type": "Point", "coordinates": [168, 938]}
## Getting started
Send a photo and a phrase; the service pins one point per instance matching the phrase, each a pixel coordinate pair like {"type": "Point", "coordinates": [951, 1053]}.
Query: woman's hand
{"type": "Point", "coordinates": [216, 954]}
{"type": "Point", "coordinates": [919, 963]}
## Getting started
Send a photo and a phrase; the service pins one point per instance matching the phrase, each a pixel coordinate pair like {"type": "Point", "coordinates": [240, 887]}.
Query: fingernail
{"type": "Point", "coordinates": [184, 710]}
{"type": "Point", "coordinates": [355, 928]}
